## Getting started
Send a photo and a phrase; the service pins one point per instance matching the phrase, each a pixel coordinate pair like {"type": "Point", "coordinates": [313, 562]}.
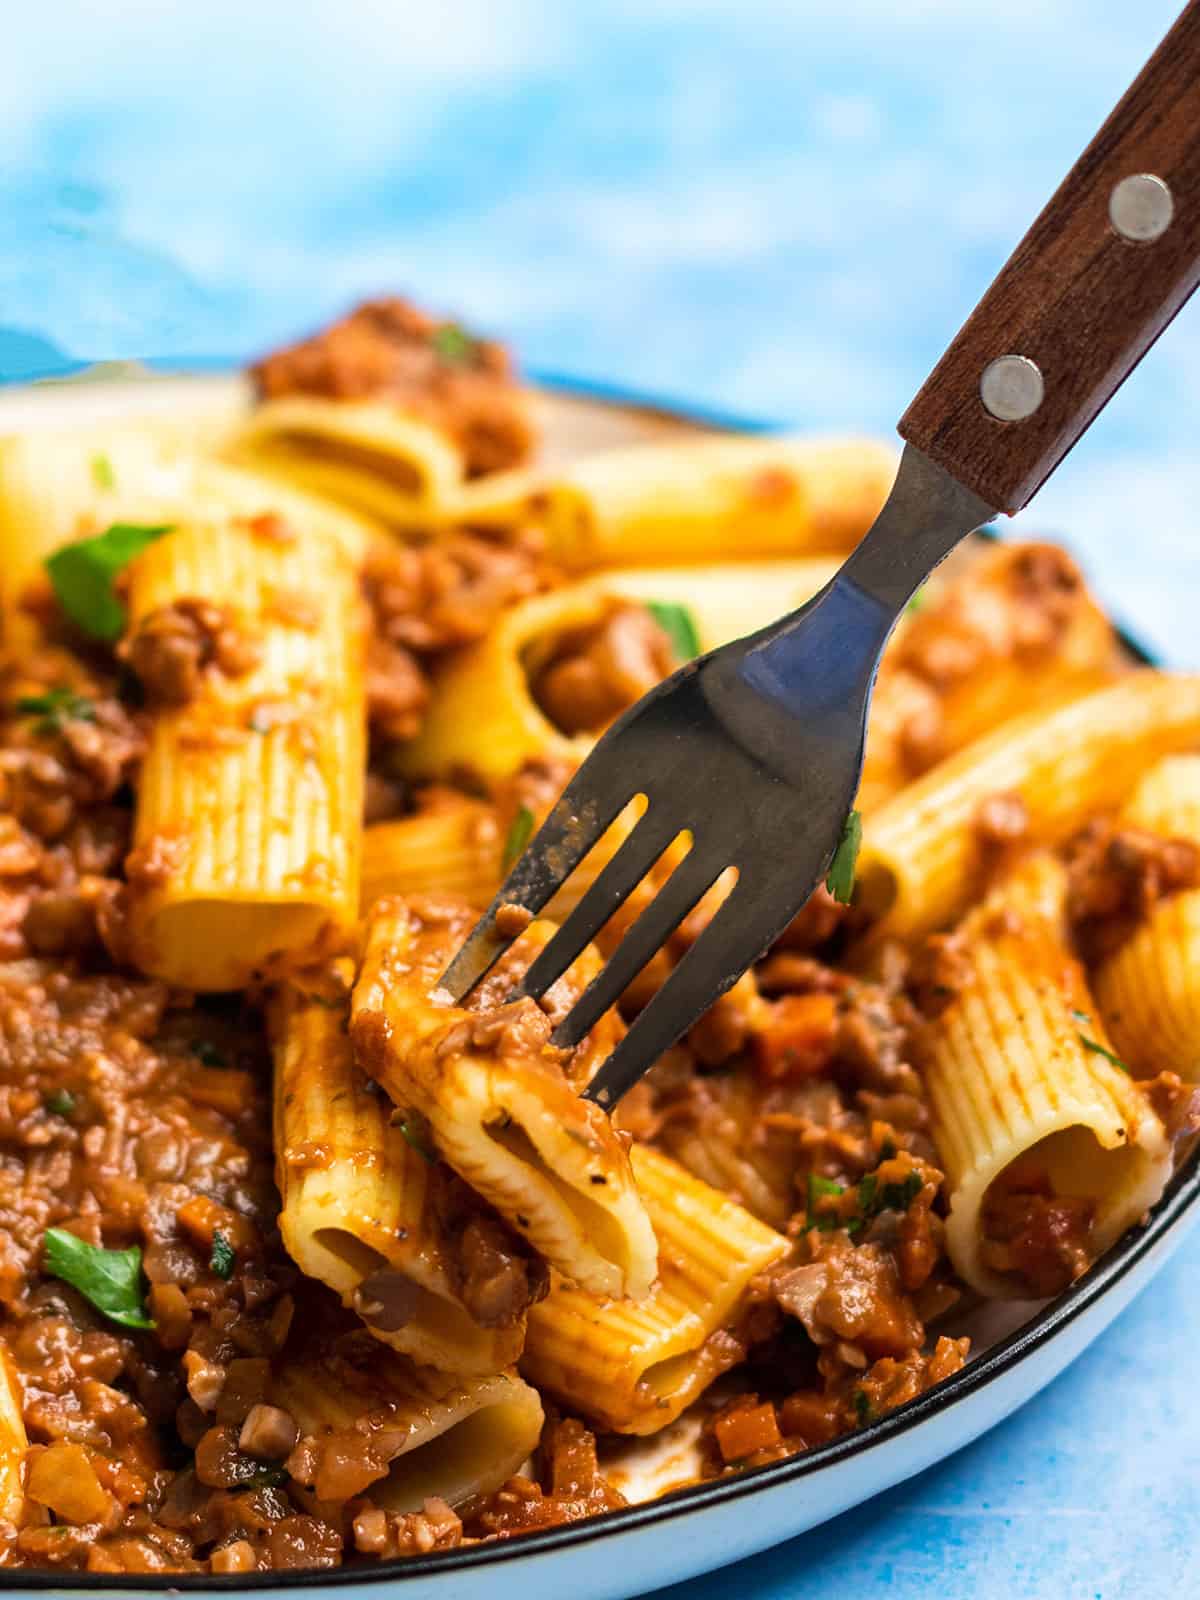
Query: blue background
{"type": "Point", "coordinates": [779, 208]}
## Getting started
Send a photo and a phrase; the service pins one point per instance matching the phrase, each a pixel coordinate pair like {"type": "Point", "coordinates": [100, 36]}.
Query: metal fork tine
{"type": "Point", "coordinates": [579, 818]}
{"type": "Point", "coordinates": [694, 874]}
{"type": "Point", "coordinates": [651, 835]}
{"type": "Point", "coordinates": [707, 970]}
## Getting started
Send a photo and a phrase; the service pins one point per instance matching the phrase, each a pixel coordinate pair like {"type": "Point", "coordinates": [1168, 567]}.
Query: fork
{"type": "Point", "coordinates": [756, 749]}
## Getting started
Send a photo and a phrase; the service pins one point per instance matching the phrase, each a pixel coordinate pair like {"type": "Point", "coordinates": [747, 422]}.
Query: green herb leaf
{"type": "Point", "coordinates": [223, 1255]}
{"type": "Point", "coordinates": [1100, 1050]}
{"type": "Point", "coordinates": [899, 1196]}
{"type": "Point", "coordinates": [818, 1187]}
{"type": "Point", "coordinates": [917, 601]}
{"type": "Point", "coordinates": [416, 1131]}
{"type": "Point", "coordinates": [207, 1054]}
{"type": "Point", "coordinates": [110, 1279]}
{"type": "Point", "coordinates": [454, 344]}
{"type": "Point", "coordinates": [61, 1103]}
{"type": "Point", "coordinates": [103, 475]}
{"type": "Point", "coordinates": [265, 1478]}
{"type": "Point", "coordinates": [840, 878]}
{"type": "Point", "coordinates": [863, 1409]}
{"type": "Point", "coordinates": [56, 707]}
{"type": "Point", "coordinates": [518, 837]}
{"type": "Point", "coordinates": [83, 574]}
{"type": "Point", "coordinates": [679, 625]}
{"type": "Point", "coordinates": [1081, 1016]}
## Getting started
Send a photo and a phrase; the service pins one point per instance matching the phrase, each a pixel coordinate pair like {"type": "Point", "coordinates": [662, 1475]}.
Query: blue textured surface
{"type": "Point", "coordinates": [783, 207]}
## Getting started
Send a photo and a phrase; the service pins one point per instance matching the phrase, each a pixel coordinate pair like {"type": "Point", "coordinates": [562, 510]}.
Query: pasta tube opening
{"type": "Point", "coordinates": [364, 455]}
{"type": "Point", "coordinates": [1050, 1149]}
{"type": "Point", "coordinates": [370, 1421]}
{"type": "Point", "coordinates": [473, 1457]}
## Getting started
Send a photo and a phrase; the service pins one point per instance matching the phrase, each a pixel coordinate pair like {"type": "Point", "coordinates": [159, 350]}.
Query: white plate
{"type": "Point", "coordinates": [1016, 1351]}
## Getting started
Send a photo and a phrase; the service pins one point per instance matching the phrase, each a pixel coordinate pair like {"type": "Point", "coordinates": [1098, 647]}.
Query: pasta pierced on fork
{"type": "Point", "coordinates": [501, 1104]}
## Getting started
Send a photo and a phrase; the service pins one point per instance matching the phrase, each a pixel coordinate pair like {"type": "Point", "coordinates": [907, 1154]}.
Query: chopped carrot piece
{"type": "Point", "coordinates": [201, 1217]}
{"type": "Point", "coordinates": [740, 1433]}
{"type": "Point", "coordinates": [798, 1041]}
{"type": "Point", "coordinates": [225, 1089]}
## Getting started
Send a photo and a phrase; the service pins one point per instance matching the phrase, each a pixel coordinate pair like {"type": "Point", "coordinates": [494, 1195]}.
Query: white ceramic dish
{"type": "Point", "coordinates": [1017, 1350]}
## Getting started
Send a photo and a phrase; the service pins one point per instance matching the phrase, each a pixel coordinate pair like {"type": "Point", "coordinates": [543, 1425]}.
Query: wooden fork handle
{"type": "Point", "coordinates": [1101, 273]}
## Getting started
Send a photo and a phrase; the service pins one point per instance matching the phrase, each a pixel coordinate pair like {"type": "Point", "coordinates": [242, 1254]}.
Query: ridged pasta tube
{"type": "Point", "coordinates": [503, 1106]}
{"type": "Point", "coordinates": [363, 1210]}
{"type": "Point", "coordinates": [1019, 1080]}
{"type": "Point", "coordinates": [455, 848]}
{"type": "Point", "coordinates": [363, 454]}
{"type": "Point", "coordinates": [695, 501]}
{"type": "Point", "coordinates": [919, 863]}
{"type": "Point", "coordinates": [407, 1433]}
{"type": "Point", "coordinates": [1149, 990]}
{"type": "Point", "coordinates": [488, 685]}
{"type": "Point", "coordinates": [249, 807]}
{"type": "Point", "coordinates": [634, 1367]}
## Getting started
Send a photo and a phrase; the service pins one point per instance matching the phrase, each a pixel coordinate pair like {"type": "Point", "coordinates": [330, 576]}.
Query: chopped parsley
{"type": "Point", "coordinates": [207, 1054]}
{"type": "Point", "coordinates": [679, 625]}
{"type": "Point", "coordinates": [863, 1409]}
{"type": "Point", "coordinates": [416, 1131]}
{"type": "Point", "coordinates": [1102, 1050]}
{"type": "Point", "coordinates": [917, 601]}
{"type": "Point", "coordinates": [518, 837]}
{"type": "Point", "coordinates": [899, 1196]}
{"type": "Point", "coordinates": [110, 1279]}
{"type": "Point", "coordinates": [840, 878]}
{"type": "Point", "coordinates": [56, 707]}
{"type": "Point", "coordinates": [83, 576]}
{"type": "Point", "coordinates": [454, 344]}
{"type": "Point", "coordinates": [872, 1199]}
{"type": "Point", "coordinates": [103, 475]}
{"type": "Point", "coordinates": [223, 1255]}
{"type": "Point", "coordinates": [61, 1103]}
{"type": "Point", "coordinates": [818, 1189]}
{"type": "Point", "coordinates": [1081, 1016]}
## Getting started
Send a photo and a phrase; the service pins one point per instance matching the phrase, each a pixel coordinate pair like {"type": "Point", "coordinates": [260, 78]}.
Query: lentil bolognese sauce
{"type": "Point", "coordinates": [159, 1340]}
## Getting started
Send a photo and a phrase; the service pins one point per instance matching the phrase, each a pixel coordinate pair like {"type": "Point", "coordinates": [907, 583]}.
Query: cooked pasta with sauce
{"type": "Point", "coordinates": [303, 1267]}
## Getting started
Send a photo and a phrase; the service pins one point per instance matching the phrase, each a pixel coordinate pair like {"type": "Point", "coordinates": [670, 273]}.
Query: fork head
{"type": "Point", "coordinates": [726, 752]}
{"type": "Point", "coordinates": [755, 752]}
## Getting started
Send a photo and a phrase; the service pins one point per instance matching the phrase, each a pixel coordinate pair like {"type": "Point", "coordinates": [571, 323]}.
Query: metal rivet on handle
{"type": "Point", "coordinates": [1012, 388]}
{"type": "Point", "coordinates": [1141, 208]}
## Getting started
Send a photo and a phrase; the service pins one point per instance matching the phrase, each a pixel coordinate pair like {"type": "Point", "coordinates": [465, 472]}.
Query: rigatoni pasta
{"type": "Point", "coordinates": [1032, 1111]}
{"type": "Point", "coordinates": [434, 1436]}
{"type": "Point", "coordinates": [363, 455]}
{"type": "Point", "coordinates": [248, 825]}
{"type": "Point", "coordinates": [634, 1367]}
{"type": "Point", "coordinates": [363, 1209]}
{"type": "Point", "coordinates": [1148, 988]}
{"type": "Point", "coordinates": [921, 860]}
{"type": "Point", "coordinates": [696, 502]}
{"type": "Point", "coordinates": [499, 1104]}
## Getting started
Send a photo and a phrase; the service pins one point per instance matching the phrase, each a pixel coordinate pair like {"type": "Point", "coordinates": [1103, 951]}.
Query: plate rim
{"type": "Point", "coordinates": [1170, 1216]}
